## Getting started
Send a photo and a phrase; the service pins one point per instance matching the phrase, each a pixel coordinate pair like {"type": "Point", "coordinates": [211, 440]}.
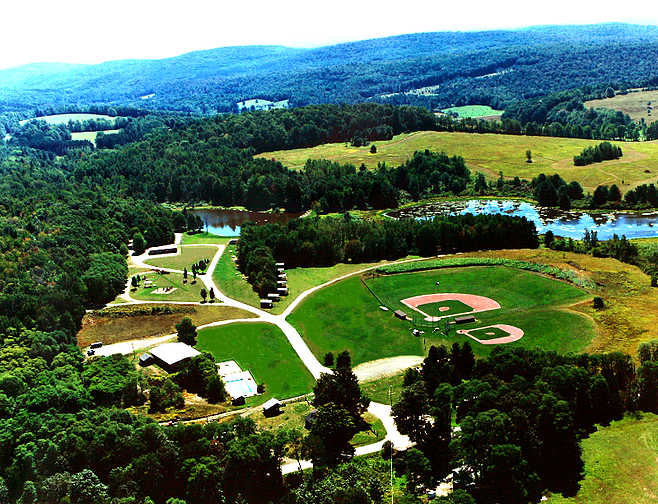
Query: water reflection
{"type": "Point", "coordinates": [567, 224]}
{"type": "Point", "coordinates": [225, 222]}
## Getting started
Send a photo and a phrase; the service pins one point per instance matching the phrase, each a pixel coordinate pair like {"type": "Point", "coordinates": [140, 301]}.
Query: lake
{"type": "Point", "coordinates": [567, 224]}
{"type": "Point", "coordinates": [226, 222]}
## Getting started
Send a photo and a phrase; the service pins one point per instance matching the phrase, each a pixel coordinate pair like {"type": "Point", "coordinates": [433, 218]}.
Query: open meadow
{"type": "Point", "coordinates": [65, 118]}
{"type": "Point", "coordinates": [347, 316]}
{"type": "Point", "coordinates": [637, 104]}
{"type": "Point", "coordinates": [262, 349]}
{"type": "Point", "coordinates": [184, 259]}
{"type": "Point", "coordinates": [491, 154]}
{"type": "Point", "coordinates": [620, 464]}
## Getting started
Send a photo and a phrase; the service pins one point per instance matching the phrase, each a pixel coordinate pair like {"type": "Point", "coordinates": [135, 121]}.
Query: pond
{"type": "Point", "coordinates": [562, 223]}
{"type": "Point", "coordinates": [227, 222]}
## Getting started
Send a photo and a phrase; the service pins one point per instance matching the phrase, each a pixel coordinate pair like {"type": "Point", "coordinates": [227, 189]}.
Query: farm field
{"type": "Point", "coordinates": [137, 321]}
{"type": "Point", "coordinates": [490, 154]}
{"type": "Point", "coordinates": [347, 316]}
{"type": "Point", "coordinates": [65, 118]}
{"type": "Point", "coordinates": [620, 464]}
{"type": "Point", "coordinates": [634, 104]}
{"type": "Point", "coordinates": [475, 111]}
{"type": "Point", "coordinates": [262, 349]}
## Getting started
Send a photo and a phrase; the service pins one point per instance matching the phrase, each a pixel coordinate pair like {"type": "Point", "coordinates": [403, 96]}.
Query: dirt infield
{"type": "Point", "coordinates": [514, 334]}
{"type": "Point", "coordinates": [477, 303]}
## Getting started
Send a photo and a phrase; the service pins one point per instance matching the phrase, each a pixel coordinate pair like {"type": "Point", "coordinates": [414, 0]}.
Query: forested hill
{"type": "Point", "coordinates": [492, 67]}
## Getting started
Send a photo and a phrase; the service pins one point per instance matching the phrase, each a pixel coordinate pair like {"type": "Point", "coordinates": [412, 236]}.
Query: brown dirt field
{"type": "Point", "coordinates": [631, 304]}
{"type": "Point", "coordinates": [110, 330]}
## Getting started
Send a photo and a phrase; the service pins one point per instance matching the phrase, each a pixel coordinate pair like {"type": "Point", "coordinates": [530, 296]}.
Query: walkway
{"type": "Point", "coordinates": [381, 411]}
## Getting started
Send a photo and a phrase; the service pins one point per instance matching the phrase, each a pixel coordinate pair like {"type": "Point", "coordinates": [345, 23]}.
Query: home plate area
{"type": "Point", "coordinates": [438, 306]}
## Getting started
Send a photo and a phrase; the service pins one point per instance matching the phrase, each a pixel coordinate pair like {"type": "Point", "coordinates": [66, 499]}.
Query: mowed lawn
{"type": "Point", "coordinates": [347, 316]}
{"type": "Point", "coordinates": [262, 349]}
{"type": "Point", "coordinates": [492, 154]}
{"type": "Point", "coordinates": [620, 464]}
{"type": "Point", "coordinates": [188, 255]}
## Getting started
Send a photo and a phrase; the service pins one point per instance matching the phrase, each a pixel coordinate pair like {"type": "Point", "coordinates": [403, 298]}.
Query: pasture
{"type": "Point", "coordinates": [474, 111]}
{"type": "Point", "coordinates": [262, 349]}
{"type": "Point", "coordinates": [491, 154]}
{"type": "Point", "coordinates": [65, 118]}
{"type": "Point", "coordinates": [347, 316]}
{"type": "Point", "coordinates": [635, 104]}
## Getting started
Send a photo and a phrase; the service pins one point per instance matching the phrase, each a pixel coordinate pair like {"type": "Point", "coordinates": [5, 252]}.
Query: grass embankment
{"type": "Point", "coordinates": [138, 321]}
{"type": "Point", "coordinates": [347, 316]}
{"type": "Point", "coordinates": [491, 154]}
{"type": "Point", "coordinates": [264, 350]}
{"type": "Point", "coordinates": [620, 464]}
{"type": "Point", "coordinates": [229, 280]}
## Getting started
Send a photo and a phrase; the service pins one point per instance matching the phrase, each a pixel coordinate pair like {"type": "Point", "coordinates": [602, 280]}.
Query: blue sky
{"type": "Point", "coordinates": [80, 31]}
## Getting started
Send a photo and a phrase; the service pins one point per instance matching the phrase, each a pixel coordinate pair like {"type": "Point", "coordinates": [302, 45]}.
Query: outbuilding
{"type": "Point", "coordinates": [400, 314]}
{"type": "Point", "coordinates": [266, 303]}
{"type": "Point", "coordinates": [465, 319]}
{"type": "Point", "coordinates": [172, 356]}
{"type": "Point", "coordinates": [145, 360]}
{"type": "Point", "coordinates": [272, 407]}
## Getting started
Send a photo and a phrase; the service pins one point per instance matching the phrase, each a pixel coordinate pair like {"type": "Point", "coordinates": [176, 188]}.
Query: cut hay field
{"type": "Point", "coordinates": [137, 321]}
{"type": "Point", "coordinates": [634, 104]}
{"type": "Point", "coordinates": [262, 349]}
{"type": "Point", "coordinates": [347, 316]}
{"type": "Point", "coordinates": [474, 111]}
{"type": "Point", "coordinates": [620, 464]}
{"type": "Point", "coordinates": [490, 154]}
{"type": "Point", "coordinates": [65, 118]}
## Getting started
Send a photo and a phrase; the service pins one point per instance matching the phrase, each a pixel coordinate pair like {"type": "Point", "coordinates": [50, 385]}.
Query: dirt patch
{"type": "Point", "coordinates": [477, 303]}
{"type": "Point", "coordinates": [381, 368]}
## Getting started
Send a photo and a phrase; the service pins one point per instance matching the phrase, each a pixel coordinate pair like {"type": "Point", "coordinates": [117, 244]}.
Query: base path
{"type": "Point", "coordinates": [477, 303]}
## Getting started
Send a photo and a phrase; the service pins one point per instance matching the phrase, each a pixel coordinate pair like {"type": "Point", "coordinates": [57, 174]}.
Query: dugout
{"type": "Point", "coordinates": [400, 314]}
{"type": "Point", "coordinates": [465, 319]}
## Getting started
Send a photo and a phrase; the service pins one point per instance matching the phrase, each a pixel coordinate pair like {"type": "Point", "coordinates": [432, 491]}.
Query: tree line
{"type": "Point", "coordinates": [328, 241]}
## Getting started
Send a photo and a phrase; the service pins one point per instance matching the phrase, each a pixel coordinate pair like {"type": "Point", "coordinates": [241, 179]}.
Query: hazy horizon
{"type": "Point", "coordinates": [73, 31]}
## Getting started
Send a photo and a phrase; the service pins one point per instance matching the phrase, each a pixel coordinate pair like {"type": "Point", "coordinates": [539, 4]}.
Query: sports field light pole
{"type": "Point", "coordinates": [390, 402]}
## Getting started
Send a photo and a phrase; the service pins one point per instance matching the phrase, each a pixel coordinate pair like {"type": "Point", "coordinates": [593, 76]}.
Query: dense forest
{"type": "Point", "coordinates": [433, 70]}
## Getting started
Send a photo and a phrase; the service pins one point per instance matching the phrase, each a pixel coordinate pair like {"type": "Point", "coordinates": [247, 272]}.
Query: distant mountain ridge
{"type": "Point", "coordinates": [214, 80]}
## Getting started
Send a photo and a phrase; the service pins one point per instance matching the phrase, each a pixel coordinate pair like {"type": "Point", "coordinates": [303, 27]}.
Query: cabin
{"type": "Point", "coordinates": [266, 303]}
{"type": "Point", "coordinates": [272, 407]}
{"type": "Point", "coordinates": [274, 296]}
{"type": "Point", "coordinates": [283, 291]}
{"type": "Point", "coordinates": [233, 241]}
{"type": "Point", "coordinates": [280, 265]}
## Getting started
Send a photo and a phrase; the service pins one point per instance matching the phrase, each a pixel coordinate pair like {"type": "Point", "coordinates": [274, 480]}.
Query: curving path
{"type": "Point", "coordinates": [375, 370]}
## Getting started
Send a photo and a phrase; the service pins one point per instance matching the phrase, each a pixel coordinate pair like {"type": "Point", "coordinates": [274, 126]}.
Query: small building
{"type": "Point", "coordinates": [280, 265]}
{"type": "Point", "coordinates": [238, 401]}
{"type": "Point", "coordinates": [96, 344]}
{"type": "Point", "coordinates": [282, 283]}
{"type": "Point", "coordinates": [274, 296]}
{"type": "Point", "coordinates": [145, 360]}
{"type": "Point", "coordinates": [172, 356]}
{"type": "Point", "coordinates": [282, 291]}
{"type": "Point", "coordinates": [272, 407]}
{"type": "Point", "coordinates": [233, 241]}
{"type": "Point", "coordinates": [161, 251]}
{"type": "Point", "coordinates": [280, 271]}
{"type": "Point", "coordinates": [400, 314]}
{"type": "Point", "coordinates": [266, 303]}
{"type": "Point", "coordinates": [465, 319]}
{"type": "Point", "coordinates": [310, 419]}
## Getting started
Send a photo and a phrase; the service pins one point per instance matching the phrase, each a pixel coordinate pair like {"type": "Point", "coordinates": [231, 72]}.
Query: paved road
{"type": "Point", "coordinates": [382, 411]}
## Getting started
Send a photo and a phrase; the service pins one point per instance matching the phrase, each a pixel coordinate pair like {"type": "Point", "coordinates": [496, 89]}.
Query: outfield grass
{"type": "Point", "coordinates": [262, 349]}
{"type": "Point", "coordinates": [346, 316]}
{"type": "Point", "coordinates": [185, 259]}
{"type": "Point", "coordinates": [620, 464]}
{"type": "Point", "coordinates": [491, 154]}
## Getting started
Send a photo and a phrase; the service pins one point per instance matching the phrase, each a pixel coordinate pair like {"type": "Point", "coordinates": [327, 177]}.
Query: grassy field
{"type": "Point", "coordinates": [634, 104]}
{"type": "Point", "coordinates": [474, 111]}
{"type": "Point", "coordinates": [65, 118]}
{"type": "Point", "coordinates": [124, 323]}
{"type": "Point", "coordinates": [346, 316]}
{"type": "Point", "coordinates": [90, 135]}
{"type": "Point", "coordinates": [264, 350]}
{"type": "Point", "coordinates": [203, 238]}
{"type": "Point", "coordinates": [179, 291]}
{"type": "Point", "coordinates": [620, 464]}
{"type": "Point", "coordinates": [187, 257]}
{"type": "Point", "coordinates": [490, 154]}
